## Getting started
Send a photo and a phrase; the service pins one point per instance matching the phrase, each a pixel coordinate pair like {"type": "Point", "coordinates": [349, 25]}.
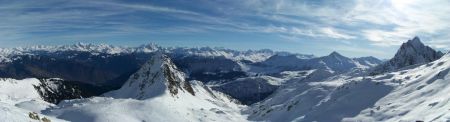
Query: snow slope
{"type": "Point", "coordinates": [420, 94]}
{"type": "Point", "coordinates": [18, 98]}
{"type": "Point", "coordinates": [417, 94]}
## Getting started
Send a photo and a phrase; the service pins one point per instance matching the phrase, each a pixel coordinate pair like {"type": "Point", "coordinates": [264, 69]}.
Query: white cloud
{"type": "Point", "coordinates": [380, 22]}
{"type": "Point", "coordinates": [144, 7]}
{"type": "Point", "coordinates": [403, 18]}
{"type": "Point", "coordinates": [332, 33]}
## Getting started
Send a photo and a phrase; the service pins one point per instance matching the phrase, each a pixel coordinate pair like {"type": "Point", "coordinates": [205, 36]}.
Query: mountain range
{"type": "Point", "coordinates": [86, 82]}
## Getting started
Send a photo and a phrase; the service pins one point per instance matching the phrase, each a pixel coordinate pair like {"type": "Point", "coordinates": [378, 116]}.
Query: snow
{"type": "Point", "coordinates": [421, 95]}
{"type": "Point", "coordinates": [10, 87]}
{"type": "Point", "coordinates": [415, 94]}
{"type": "Point", "coordinates": [18, 98]}
{"type": "Point", "coordinates": [184, 107]}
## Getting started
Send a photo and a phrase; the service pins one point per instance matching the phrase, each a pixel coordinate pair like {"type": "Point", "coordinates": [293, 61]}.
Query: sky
{"type": "Point", "coordinates": [353, 28]}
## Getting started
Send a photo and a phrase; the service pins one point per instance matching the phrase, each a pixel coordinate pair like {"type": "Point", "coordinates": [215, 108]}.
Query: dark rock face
{"type": "Point", "coordinates": [175, 83]}
{"type": "Point", "coordinates": [412, 52]}
{"type": "Point", "coordinates": [170, 71]}
{"type": "Point", "coordinates": [56, 90]}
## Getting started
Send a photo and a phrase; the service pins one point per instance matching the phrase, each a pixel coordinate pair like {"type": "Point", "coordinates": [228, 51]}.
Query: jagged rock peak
{"type": "Point", "coordinates": [415, 41]}
{"type": "Point", "coordinates": [412, 52]}
{"type": "Point", "coordinates": [156, 77]}
{"type": "Point", "coordinates": [415, 52]}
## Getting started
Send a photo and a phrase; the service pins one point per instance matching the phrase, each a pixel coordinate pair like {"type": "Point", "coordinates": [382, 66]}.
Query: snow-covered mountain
{"type": "Point", "coordinates": [157, 92]}
{"type": "Point", "coordinates": [418, 94]}
{"type": "Point", "coordinates": [110, 66]}
{"type": "Point", "coordinates": [405, 94]}
{"type": "Point", "coordinates": [157, 76]}
{"type": "Point", "coordinates": [258, 83]}
{"type": "Point", "coordinates": [277, 86]}
{"type": "Point", "coordinates": [412, 52]}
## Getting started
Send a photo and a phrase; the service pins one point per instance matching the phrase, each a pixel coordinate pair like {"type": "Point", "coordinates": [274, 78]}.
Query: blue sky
{"type": "Point", "coordinates": [353, 28]}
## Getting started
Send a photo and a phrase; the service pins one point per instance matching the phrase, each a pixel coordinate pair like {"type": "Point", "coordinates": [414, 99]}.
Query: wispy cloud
{"type": "Point", "coordinates": [383, 23]}
{"type": "Point", "coordinates": [332, 33]}
{"type": "Point", "coordinates": [398, 20]}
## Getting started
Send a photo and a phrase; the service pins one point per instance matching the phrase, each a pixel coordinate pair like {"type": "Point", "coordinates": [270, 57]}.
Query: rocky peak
{"type": "Point", "coordinates": [335, 56]}
{"type": "Point", "coordinates": [415, 42]}
{"type": "Point", "coordinates": [334, 53]}
{"type": "Point", "coordinates": [156, 77]}
{"type": "Point", "coordinates": [412, 52]}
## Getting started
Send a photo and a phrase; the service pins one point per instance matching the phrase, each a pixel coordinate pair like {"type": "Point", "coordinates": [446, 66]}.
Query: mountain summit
{"type": "Point", "coordinates": [410, 53]}
{"type": "Point", "coordinates": [156, 77]}
{"type": "Point", "coordinates": [336, 54]}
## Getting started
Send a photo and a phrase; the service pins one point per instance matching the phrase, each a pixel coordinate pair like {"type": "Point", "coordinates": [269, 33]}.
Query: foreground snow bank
{"type": "Point", "coordinates": [207, 105]}
{"type": "Point", "coordinates": [19, 99]}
